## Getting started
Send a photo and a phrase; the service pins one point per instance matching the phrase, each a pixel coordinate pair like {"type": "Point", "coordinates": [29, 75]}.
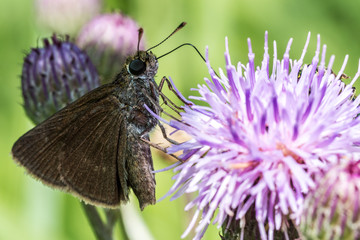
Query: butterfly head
{"type": "Point", "coordinates": [142, 65]}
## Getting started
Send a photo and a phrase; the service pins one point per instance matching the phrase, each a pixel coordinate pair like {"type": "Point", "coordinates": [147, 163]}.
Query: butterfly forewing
{"type": "Point", "coordinates": [91, 155]}
{"type": "Point", "coordinates": [82, 150]}
{"type": "Point", "coordinates": [38, 151]}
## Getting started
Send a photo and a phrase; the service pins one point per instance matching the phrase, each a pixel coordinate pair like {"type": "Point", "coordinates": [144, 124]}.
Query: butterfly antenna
{"type": "Point", "coordinates": [184, 44]}
{"type": "Point", "coordinates": [187, 44]}
{"type": "Point", "coordinates": [177, 29]}
{"type": "Point", "coordinates": [141, 31]}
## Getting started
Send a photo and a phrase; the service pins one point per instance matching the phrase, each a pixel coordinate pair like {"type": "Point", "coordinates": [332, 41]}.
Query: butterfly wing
{"type": "Point", "coordinates": [78, 149]}
{"type": "Point", "coordinates": [90, 166]}
{"type": "Point", "coordinates": [140, 170]}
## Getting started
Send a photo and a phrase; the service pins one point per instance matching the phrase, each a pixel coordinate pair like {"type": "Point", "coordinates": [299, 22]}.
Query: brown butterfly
{"type": "Point", "coordinates": [92, 148]}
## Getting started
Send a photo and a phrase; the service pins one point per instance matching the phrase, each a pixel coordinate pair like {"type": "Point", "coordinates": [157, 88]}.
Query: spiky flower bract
{"type": "Point", "coordinates": [55, 75]}
{"type": "Point", "coordinates": [261, 137]}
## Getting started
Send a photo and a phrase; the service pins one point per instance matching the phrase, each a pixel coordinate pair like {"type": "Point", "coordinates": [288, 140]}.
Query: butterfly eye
{"type": "Point", "coordinates": [137, 67]}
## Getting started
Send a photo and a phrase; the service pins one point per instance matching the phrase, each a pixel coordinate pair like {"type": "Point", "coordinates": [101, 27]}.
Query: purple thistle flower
{"type": "Point", "coordinates": [109, 39]}
{"type": "Point", "coordinates": [332, 209]}
{"type": "Point", "coordinates": [53, 76]}
{"type": "Point", "coordinates": [66, 16]}
{"type": "Point", "coordinates": [262, 137]}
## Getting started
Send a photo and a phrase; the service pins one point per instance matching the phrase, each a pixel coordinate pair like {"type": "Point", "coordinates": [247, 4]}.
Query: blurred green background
{"type": "Point", "coordinates": [29, 210]}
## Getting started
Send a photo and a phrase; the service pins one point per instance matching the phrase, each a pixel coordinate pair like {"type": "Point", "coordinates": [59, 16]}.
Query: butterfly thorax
{"type": "Point", "coordinates": [137, 89]}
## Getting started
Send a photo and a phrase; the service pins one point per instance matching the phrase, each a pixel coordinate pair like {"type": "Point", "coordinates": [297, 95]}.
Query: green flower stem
{"type": "Point", "coordinates": [125, 234]}
{"type": "Point", "coordinates": [104, 231]}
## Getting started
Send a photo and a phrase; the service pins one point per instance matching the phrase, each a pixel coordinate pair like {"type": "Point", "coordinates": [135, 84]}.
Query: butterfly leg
{"type": "Point", "coordinates": [163, 131]}
{"type": "Point", "coordinates": [167, 102]}
{"type": "Point", "coordinates": [162, 128]}
{"type": "Point", "coordinates": [173, 107]}
{"type": "Point", "coordinates": [157, 146]}
{"type": "Point", "coordinates": [173, 89]}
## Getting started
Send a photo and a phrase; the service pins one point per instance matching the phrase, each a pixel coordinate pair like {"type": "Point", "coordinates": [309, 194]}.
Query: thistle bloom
{"type": "Point", "coordinates": [332, 208]}
{"type": "Point", "coordinates": [109, 39]}
{"type": "Point", "coordinates": [262, 137]}
{"type": "Point", "coordinates": [66, 16]}
{"type": "Point", "coordinates": [53, 76]}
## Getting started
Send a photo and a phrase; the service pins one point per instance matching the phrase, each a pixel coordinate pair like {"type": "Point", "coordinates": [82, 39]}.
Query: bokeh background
{"type": "Point", "coordinates": [29, 210]}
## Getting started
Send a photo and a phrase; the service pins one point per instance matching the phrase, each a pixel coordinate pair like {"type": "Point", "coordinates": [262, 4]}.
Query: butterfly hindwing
{"type": "Point", "coordinates": [140, 171]}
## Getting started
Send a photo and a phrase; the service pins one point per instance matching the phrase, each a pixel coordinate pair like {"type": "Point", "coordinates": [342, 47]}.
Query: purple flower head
{"type": "Point", "coordinates": [53, 76]}
{"type": "Point", "coordinates": [332, 209]}
{"type": "Point", "coordinates": [109, 39]}
{"type": "Point", "coordinates": [66, 16]}
{"type": "Point", "coordinates": [262, 137]}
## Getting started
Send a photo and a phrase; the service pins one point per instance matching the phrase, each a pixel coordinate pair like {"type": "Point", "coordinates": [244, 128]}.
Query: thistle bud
{"type": "Point", "coordinates": [54, 76]}
{"type": "Point", "coordinates": [332, 210]}
{"type": "Point", "coordinates": [109, 39]}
